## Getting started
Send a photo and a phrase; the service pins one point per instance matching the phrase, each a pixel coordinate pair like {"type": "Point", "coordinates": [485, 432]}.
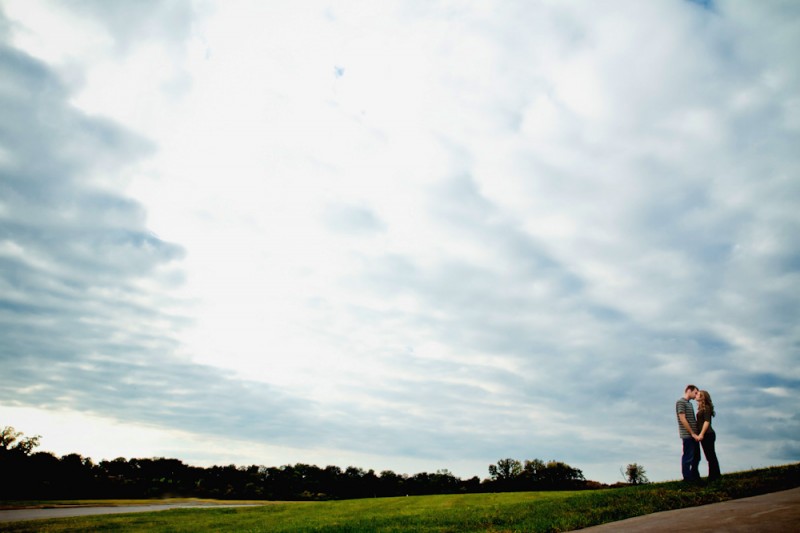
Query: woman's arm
{"type": "Point", "coordinates": [706, 424]}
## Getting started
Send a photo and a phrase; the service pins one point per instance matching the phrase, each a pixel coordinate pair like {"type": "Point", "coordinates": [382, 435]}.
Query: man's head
{"type": "Point", "coordinates": [690, 392]}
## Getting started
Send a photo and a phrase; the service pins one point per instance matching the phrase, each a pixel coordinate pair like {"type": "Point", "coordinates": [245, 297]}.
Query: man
{"type": "Point", "coordinates": [687, 428]}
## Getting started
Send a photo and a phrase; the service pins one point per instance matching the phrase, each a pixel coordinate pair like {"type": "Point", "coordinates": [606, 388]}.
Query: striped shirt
{"type": "Point", "coordinates": [685, 406]}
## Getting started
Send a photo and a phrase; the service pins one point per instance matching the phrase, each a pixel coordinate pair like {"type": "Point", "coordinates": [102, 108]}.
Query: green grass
{"type": "Point", "coordinates": [521, 511]}
{"type": "Point", "coordinates": [51, 504]}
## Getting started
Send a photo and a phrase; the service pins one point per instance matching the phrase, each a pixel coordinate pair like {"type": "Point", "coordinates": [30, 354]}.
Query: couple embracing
{"type": "Point", "coordinates": [697, 431]}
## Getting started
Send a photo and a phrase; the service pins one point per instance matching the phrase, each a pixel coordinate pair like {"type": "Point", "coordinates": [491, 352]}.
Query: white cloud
{"type": "Point", "coordinates": [495, 227]}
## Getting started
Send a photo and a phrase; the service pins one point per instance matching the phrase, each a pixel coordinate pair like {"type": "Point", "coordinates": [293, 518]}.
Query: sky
{"type": "Point", "coordinates": [407, 236]}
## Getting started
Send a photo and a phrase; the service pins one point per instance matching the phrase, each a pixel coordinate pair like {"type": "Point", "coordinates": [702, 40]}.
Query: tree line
{"type": "Point", "coordinates": [43, 475]}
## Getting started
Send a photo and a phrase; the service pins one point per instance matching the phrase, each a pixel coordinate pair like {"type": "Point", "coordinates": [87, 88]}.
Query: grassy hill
{"type": "Point", "coordinates": [520, 511]}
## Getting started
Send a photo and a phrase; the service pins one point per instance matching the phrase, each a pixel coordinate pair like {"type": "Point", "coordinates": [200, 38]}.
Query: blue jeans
{"type": "Point", "coordinates": [690, 459]}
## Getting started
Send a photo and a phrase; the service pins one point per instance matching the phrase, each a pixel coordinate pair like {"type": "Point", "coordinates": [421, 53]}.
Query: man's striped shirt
{"type": "Point", "coordinates": [685, 406]}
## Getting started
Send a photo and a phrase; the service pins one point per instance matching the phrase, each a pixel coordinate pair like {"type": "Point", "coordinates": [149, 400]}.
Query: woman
{"type": "Point", "coordinates": [706, 435]}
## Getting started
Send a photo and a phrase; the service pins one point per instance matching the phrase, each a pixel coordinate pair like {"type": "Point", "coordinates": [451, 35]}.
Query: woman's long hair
{"type": "Point", "coordinates": [706, 404]}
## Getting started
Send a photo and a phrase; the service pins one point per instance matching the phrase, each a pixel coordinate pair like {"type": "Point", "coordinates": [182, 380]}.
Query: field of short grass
{"type": "Point", "coordinates": [49, 504]}
{"type": "Point", "coordinates": [520, 511]}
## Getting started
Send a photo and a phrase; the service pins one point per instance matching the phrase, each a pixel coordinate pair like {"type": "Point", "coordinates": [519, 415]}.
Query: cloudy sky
{"type": "Point", "coordinates": [400, 235]}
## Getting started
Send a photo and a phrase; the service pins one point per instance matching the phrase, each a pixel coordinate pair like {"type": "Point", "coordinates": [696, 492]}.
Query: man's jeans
{"type": "Point", "coordinates": [690, 459]}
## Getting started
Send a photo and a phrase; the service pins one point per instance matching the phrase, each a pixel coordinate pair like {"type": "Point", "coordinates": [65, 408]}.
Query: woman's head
{"type": "Point", "coordinates": [704, 402]}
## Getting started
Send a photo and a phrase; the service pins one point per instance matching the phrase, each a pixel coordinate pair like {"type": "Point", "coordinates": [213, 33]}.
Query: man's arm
{"type": "Point", "coordinates": [682, 418]}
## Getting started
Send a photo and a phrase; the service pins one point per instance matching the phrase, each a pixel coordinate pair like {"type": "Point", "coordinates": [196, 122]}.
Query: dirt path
{"type": "Point", "coordinates": [15, 515]}
{"type": "Point", "coordinates": [769, 513]}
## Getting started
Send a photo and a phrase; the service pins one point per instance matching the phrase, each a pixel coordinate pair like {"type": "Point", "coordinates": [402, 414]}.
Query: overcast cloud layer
{"type": "Point", "coordinates": [429, 235]}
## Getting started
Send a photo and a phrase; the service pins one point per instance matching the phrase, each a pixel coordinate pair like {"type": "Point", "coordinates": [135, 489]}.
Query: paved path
{"type": "Point", "coordinates": [777, 512]}
{"type": "Point", "coordinates": [14, 515]}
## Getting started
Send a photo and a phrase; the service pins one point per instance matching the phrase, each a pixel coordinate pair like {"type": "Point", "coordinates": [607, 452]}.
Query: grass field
{"type": "Point", "coordinates": [49, 504]}
{"type": "Point", "coordinates": [520, 511]}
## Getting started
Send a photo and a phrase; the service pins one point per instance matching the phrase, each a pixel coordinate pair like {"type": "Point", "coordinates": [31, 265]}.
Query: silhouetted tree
{"type": "Point", "coordinates": [635, 474]}
{"type": "Point", "coordinates": [560, 476]}
{"type": "Point", "coordinates": [390, 484]}
{"type": "Point", "coordinates": [42, 475]}
{"type": "Point", "coordinates": [532, 471]}
{"type": "Point", "coordinates": [329, 481]}
{"type": "Point", "coordinates": [16, 465]}
{"type": "Point", "coordinates": [505, 475]}
{"type": "Point", "coordinates": [505, 469]}
{"type": "Point", "coordinates": [510, 474]}
{"type": "Point", "coordinates": [13, 441]}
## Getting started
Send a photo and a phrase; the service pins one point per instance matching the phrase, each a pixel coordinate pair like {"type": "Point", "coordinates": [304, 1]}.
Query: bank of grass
{"type": "Point", "coordinates": [520, 511]}
{"type": "Point", "coordinates": [55, 504]}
